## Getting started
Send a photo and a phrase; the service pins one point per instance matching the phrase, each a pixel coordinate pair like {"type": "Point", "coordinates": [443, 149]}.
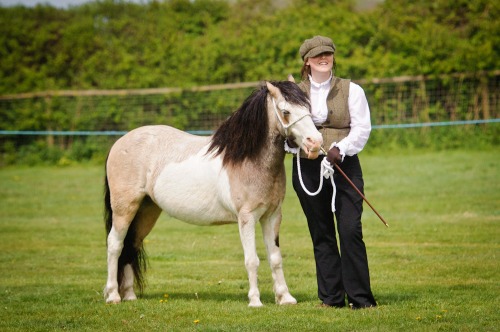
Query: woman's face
{"type": "Point", "coordinates": [322, 63]}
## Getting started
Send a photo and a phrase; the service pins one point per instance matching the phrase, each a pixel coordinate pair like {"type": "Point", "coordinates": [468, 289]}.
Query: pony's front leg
{"type": "Point", "coordinates": [115, 246]}
{"type": "Point", "coordinates": [270, 230]}
{"type": "Point", "coordinates": [246, 224]}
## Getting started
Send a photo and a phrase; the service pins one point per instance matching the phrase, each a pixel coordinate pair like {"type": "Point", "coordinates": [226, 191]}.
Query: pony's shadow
{"type": "Point", "coordinates": [206, 295]}
{"type": "Point", "coordinates": [267, 297]}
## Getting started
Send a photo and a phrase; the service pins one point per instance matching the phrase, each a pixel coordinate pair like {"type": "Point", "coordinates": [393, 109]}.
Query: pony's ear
{"type": "Point", "coordinates": [290, 78]}
{"type": "Point", "coordinates": [274, 91]}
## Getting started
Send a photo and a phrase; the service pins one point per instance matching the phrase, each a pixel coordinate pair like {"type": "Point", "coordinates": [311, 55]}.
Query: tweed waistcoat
{"type": "Point", "coordinates": [338, 122]}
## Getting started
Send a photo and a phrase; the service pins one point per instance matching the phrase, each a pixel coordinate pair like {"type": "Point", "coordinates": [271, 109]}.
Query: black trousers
{"type": "Point", "coordinates": [345, 272]}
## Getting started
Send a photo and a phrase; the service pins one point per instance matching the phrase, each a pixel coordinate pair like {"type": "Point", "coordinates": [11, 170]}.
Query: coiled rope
{"type": "Point", "coordinates": [326, 171]}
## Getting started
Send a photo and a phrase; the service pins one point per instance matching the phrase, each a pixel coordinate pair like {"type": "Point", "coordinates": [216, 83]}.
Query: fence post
{"type": "Point", "coordinates": [485, 102]}
{"type": "Point", "coordinates": [48, 115]}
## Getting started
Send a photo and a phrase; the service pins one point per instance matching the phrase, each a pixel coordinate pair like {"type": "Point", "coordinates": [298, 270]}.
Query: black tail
{"type": "Point", "coordinates": [136, 257]}
{"type": "Point", "coordinates": [108, 213]}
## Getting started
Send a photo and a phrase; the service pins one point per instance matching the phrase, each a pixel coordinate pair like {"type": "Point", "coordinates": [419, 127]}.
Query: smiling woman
{"type": "Point", "coordinates": [340, 109]}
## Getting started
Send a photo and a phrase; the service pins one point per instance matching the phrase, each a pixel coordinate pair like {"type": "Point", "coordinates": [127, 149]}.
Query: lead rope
{"type": "Point", "coordinates": [326, 171]}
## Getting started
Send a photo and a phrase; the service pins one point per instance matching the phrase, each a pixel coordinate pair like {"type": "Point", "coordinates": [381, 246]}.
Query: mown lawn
{"type": "Point", "coordinates": [435, 268]}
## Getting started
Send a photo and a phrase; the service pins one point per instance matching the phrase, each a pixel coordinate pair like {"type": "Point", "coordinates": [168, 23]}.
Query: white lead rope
{"type": "Point", "coordinates": [326, 171]}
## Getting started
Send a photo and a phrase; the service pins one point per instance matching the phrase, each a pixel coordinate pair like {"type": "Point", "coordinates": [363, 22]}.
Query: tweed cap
{"type": "Point", "coordinates": [315, 46]}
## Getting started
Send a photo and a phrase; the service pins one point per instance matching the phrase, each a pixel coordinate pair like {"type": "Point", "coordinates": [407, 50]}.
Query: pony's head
{"type": "Point", "coordinates": [245, 133]}
{"type": "Point", "coordinates": [292, 109]}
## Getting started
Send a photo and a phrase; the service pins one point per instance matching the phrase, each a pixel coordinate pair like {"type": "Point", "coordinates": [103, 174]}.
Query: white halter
{"type": "Point", "coordinates": [286, 126]}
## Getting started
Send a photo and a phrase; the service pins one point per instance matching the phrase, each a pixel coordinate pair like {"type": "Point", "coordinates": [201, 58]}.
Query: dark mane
{"type": "Point", "coordinates": [244, 134]}
{"type": "Point", "coordinates": [292, 93]}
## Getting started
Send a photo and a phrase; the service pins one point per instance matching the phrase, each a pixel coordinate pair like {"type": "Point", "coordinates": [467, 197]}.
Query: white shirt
{"type": "Point", "coordinates": [358, 110]}
{"type": "Point", "coordinates": [319, 92]}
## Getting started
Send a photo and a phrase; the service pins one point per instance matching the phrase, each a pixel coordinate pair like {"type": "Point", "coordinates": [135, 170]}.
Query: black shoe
{"type": "Point", "coordinates": [364, 306]}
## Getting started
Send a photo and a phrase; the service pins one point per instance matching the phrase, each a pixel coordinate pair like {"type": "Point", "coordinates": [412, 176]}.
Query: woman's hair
{"type": "Point", "coordinates": [306, 70]}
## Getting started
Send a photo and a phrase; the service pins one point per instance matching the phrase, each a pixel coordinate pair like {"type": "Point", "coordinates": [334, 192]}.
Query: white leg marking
{"type": "Point", "coordinates": [115, 246]}
{"type": "Point", "coordinates": [246, 224]}
{"type": "Point", "coordinates": [282, 295]}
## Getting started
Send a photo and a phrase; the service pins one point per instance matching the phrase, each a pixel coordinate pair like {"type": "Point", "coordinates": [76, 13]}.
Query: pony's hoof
{"type": "Point", "coordinates": [129, 297]}
{"type": "Point", "coordinates": [113, 298]}
{"type": "Point", "coordinates": [286, 299]}
{"type": "Point", "coordinates": [255, 304]}
{"type": "Point", "coordinates": [113, 301]}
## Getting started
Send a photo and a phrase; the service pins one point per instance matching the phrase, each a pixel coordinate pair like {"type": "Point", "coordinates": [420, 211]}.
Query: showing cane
{"type": "Point", "coordinates": [356, 188]}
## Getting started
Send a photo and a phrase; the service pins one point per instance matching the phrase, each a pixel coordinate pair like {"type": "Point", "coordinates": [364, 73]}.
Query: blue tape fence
{"type": "Point", "coordinates": [209, 132]}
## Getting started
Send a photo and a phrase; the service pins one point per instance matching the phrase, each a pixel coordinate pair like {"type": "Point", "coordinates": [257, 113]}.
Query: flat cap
{"type": "Point", "coordinates": [315, 46]}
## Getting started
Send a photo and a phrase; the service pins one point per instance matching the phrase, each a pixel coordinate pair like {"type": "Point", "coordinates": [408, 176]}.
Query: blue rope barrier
{"type": "Point", "coordinates": [210, 132]}
{"type": "Point", "coordinates": [434, 124]}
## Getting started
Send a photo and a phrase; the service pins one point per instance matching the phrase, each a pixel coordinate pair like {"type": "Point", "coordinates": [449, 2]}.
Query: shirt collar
{"type": "Point", "coordinates": [322, 84]}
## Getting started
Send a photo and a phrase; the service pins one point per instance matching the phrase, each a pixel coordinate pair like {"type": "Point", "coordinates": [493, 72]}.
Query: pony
{"type": "Point", "coordinates": [237, 175]}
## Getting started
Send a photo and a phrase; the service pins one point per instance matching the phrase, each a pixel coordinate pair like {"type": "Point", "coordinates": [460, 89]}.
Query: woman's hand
{"type": "Point", "coordinates": [333, 156]}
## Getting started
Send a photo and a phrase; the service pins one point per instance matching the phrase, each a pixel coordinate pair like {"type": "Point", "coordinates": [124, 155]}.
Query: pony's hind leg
{"type": "Point", "coordinates": [143, 223]}
{"type": "Point", "coordinates": [127, 284]}
{"type": "Point", "coordinates": [120, 212]}
{"type": "Point", "coordinates": [270, 231]}
{"type": "Point", "coordinates": [115, 240]}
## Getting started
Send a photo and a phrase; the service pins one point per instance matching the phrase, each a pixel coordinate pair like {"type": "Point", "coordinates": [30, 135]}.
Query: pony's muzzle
{"type": "Point", "coordinates": [313, 147]}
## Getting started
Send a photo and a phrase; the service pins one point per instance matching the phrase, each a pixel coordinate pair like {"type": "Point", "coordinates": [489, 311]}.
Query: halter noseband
{"type": "Point", "coordinates": [284, 125]}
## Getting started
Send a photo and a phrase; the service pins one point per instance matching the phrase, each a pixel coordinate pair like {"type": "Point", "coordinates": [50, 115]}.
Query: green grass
{"type": "Point", "coordinates": [435, 268]}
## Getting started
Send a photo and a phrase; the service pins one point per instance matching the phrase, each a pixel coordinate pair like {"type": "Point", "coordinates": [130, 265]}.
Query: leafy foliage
{"type": "Point", "coordinates": [117, 44]}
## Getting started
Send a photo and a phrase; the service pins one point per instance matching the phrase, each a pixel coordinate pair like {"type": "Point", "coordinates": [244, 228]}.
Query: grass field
{"type": "Point", "coordinates": [436, 267]}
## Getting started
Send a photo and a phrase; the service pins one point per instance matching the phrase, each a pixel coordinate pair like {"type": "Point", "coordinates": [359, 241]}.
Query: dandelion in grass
{"type": "Point", "coordinates": [196, 321]}
{"type": "Point", "coordinates": [165, 298]}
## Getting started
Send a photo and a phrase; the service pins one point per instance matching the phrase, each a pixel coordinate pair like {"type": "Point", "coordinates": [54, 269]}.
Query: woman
{"type": "Point", "coordinates": [340, 111]}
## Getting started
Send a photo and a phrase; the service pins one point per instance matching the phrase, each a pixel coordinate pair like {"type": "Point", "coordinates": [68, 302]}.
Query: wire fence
{"type": "Point", "coordinates": [59, 118]}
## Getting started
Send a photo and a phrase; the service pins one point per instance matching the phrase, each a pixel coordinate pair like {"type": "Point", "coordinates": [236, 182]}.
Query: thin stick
{"type": "Point", "coordinates": [360, 193]}
{"type": "Point", "coordinates": [357, 190]}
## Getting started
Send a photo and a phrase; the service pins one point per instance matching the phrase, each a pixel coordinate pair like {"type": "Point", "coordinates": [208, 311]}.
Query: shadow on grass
{"type": "Point", "coordinates": [394, 298]}
{"type": "Point", "coordinates": [266, 297]}
{"type": "Point", "coordinates": [212, 296]}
